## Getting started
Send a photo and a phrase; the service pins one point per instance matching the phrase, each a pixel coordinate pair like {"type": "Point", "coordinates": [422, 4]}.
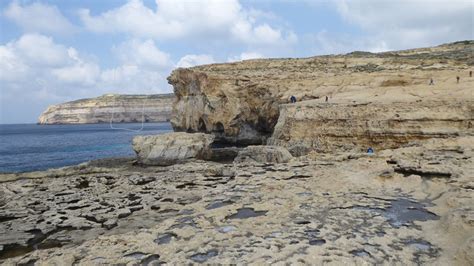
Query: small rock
{"type": "Point", "coordinates": [140, 180]}
{"type": "Point", "coordinates": [227, 229]}
{"type": "Point", "coordinates": [109, 224]}
{"type": "Point", "coordinates": [122, 213]}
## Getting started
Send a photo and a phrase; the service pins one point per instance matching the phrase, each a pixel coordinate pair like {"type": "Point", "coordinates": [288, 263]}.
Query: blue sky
{"type": "Point", "coordinates": [56, 51]}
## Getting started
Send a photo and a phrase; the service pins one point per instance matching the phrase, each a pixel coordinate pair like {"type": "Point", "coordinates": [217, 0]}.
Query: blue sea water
{"type": "Point", "coordinates": [31, 147]}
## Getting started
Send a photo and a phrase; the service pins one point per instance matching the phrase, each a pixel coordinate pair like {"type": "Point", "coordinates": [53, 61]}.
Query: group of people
{"type": "Point", "coordinates": [457, 78]}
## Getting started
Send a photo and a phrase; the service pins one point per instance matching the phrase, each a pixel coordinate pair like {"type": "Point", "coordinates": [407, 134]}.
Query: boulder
{"type": "Point", "coordinates": [172, 148]}
{"type": "Point", "coordinates": [264, 154]}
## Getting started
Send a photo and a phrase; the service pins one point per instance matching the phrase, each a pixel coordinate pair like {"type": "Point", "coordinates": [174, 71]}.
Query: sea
{"type": "Point", "coordinates": [32, 147]}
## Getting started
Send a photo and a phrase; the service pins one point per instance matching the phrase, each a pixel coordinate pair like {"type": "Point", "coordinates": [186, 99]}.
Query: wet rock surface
{"type": "Point", "coordinates": [342, 208]}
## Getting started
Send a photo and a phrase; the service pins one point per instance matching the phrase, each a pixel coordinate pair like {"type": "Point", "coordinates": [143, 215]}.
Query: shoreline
{"type": "Point", "coordinates": [341, 208]}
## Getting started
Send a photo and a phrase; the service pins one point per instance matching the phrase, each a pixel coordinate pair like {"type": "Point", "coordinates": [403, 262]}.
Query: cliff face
{"type": "Point", "coordinates": [119, 108]}
{"type": "Point", "coordinates": [381, 100]}
{"type": "Point", "coordinates": [234, 109]}
{"type": "Point", "coordinates": [327, 127]}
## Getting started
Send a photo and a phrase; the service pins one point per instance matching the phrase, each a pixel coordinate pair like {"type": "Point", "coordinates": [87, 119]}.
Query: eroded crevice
{"type": "Point", "coordinates": [425, 174]}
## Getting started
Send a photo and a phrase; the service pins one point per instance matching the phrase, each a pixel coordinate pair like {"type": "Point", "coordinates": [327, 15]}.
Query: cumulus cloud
{"type": "Point", "coordinates": [411, 23]}
{"type": "Point", "coordinates": [245, 56]}
{"type": "Point", "coordinates": [133, 79]}
{"type": "Point", "coordinates": [11, 67]}
{"type": "Point", "coordinates": [195, 60]}
{"type": "Point", "coordinates": [40, 50]}
{"type": "Point", "coordinates": [143, 68]}
{"type": "Point", "coordinates": [80, 72]}
{"type": "Point", "coordinates": [36, 71]}
{"type": "Point", "coordinates": [38, 17]}
{"type": "Point", "coordinates": [143, 53]}
{"type": "Point", "coordinates": [172, 19]}
{"type": "Point", "coordinates": [36, 55]}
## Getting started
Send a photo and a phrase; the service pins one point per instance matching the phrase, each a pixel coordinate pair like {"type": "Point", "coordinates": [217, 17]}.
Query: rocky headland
{"type": "Point", "coordinates": [254, 179]}
{"type": "Point", "coordinates": [111, 108]}
{"type": "Point", "coordinates": [383, 99]}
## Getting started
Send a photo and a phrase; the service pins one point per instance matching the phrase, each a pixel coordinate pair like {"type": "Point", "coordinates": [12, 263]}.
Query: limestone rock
{"type": "Point", "coordinates": [264, 154]}
{"type": "Point", "coordinates": [111, 107]}
{"type": "Point", "coordinates": [377, 99]}
{"type": "Point", "coordinates": [326, 127]}
{"type": "Point", "coordinates": [346, 210]}
{"type": "Point", "coordinates": [171, 148]}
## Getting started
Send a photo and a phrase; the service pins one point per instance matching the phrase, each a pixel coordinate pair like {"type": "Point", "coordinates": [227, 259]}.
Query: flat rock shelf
{"type": "Point", "coordinates": [348, 208]}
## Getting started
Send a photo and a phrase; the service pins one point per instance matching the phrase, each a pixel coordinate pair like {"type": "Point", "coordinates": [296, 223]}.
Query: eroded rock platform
{"type": "Point", "coordinates": [410, 205]}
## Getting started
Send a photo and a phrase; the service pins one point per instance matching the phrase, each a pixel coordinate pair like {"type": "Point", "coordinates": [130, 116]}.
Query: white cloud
{"type": "Point", "coordinates": [38, 56]}
{"type": "Point", "coordinates": [40, 50]}
{"type": "Point", "coordinates": [195, 60]}
{"type": "Point", "coordinates": [214, 19]}
{"type": "Point", "coordinates": [83, 73]}
{"type": "Point", "coordinates": [11, 67]}
{"type": "Point", "coordinates": [38, 17]}
{"type": "Point", "coordinates": [245, 56]}
{"type": "Point", "coordinates": [132, 79]}
{"type": "Point", "coordinates": [35, 71]}
{"type": "Point", "coordinates": [411, 23]}
{"type": "Point", "coordinates": [143, 53]}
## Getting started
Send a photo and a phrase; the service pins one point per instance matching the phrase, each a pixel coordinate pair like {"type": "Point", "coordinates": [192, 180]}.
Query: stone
{"type": "Point", "coordinates": [141, 180]}
{"type": "Point", "coordinates": [172, 148]}
{"type": "Point", "coordinates": [124, 108]}
{"type": "Point", "coordinates": [122, 213]}
{"type": "Point", "coordinates": [264, 154]}
{"type": "Point", "coordinates": [77, 223]}
{"type": "Point", "coordinates": [109, 224]}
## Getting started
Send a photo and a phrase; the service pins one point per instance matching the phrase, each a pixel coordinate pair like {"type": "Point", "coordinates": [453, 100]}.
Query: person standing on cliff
{"type": "Point", "coordinates": [327, 98]}
{"type": "Point", "coordinates": [457, 79]}
{"type": "Point", "coordinates": [470, 74]}
{"type": "Point", "coordinates": [431, 82]}
{"type": "Point", "coordinates": [293, 99]}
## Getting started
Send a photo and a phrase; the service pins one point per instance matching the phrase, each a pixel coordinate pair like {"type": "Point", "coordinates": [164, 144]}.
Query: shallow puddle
{"type": "Point", "coordinates": [317, 242]}
{"type": "Point", "coordinates": [218, 204]}
{"type": "Point", "coordinates": [359, 253]}
{"type": "Point", "coordinates": [136, 255]}
{"type": "Point", "coordinates": [203, 257]}
{"type": "Point", "coordinates": [165, 238]}
{"type": "Point", "coordinates": [245, 213]}
{"type": "Point", "coordinates": [403, 212]}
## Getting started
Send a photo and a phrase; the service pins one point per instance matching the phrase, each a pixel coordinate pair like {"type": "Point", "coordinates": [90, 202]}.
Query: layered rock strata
{"type": "Point", "coordinates": [326, 127]}
{"type": "Point", "coordinates": [111, 108]}
{"type": "Point", "coordinates": [241, 103]}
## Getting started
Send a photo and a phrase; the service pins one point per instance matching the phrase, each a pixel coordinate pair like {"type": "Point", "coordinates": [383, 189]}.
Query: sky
{"type": "Point", "coordinates": [56, 51]}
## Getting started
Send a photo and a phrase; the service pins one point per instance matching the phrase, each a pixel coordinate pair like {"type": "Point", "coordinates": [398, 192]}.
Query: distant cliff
{"type": "Point", "coordinates": [120, 108]}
